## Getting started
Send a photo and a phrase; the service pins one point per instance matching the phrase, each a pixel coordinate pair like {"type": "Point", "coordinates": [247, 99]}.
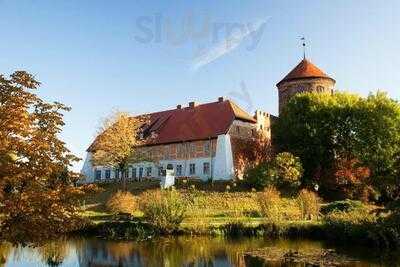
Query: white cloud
{"type": "Point", "coordinates": [230, 43]}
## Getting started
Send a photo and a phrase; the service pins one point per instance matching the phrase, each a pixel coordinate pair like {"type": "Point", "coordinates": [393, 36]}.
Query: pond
{"type": "Point", "coordinates": [182, 251]}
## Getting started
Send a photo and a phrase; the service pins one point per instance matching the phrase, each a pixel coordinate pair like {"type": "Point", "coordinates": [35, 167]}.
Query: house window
{"type": "Point", "coordinates": [178, 170]}
{"type": "Point", "coordinates": [148, 171]}
{"type": "Point", "coordinates": [140, 172]}
{"type": "Point", "coordinates": [206, 168]}
{"type": "Point", "coordinates": [97, 175]}
{"type": "Point", "coordinates": [133, 173]}
{"type": "Point", "coordinates": [108, 174]}
{"type": "Point", "coordinates": [160, 171]}
{"type": "Point", "coordinates": [207, 148]}
{"type": "Point", "coordinates": [116, 174]}
{"type": "Point", "coordinates": [192, 168]}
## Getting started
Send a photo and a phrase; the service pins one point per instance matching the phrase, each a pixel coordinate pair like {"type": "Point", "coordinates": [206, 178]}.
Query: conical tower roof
{"type": "Point", "coordinates": [305, 69]}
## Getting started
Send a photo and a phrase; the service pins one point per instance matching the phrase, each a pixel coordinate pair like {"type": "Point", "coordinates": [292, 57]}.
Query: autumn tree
{"type": "Point", "coordinates": [349, 180]}
{"type": "Point", "coordinates": [37, 196]}
{"type": "Point", "coordinates": [117, 142]}
{"type": "Point", "coordinates": [249, 152]}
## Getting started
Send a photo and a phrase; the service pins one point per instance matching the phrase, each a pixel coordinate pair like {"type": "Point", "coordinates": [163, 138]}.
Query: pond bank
{"type": "Point", "coordinates": [316, 230]}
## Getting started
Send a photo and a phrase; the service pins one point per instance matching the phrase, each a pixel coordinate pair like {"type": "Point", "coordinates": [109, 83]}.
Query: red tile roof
{"type": "Point", "coordinates": [305, 69]}
{"type": "Point", "coordinates": [195, 123]}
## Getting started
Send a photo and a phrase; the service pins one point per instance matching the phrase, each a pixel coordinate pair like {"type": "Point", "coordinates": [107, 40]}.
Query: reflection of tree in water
{"type": "Point", "coordinates": [5, 250]}
{"type": "Point", "coordinates": [173, 251]}
{"type": "Point", "coordinates": [204, 251]}
{"type": "Point", "coordinates": [95, 252]}
{"type": "Point", "coordinates": [177, 251]}
{"type": "Point", "coordinates": [53, 253]}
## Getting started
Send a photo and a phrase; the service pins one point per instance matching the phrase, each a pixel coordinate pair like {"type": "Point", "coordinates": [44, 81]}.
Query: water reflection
{"type": "Point", "coordinates": [54, 253]}
{"type": "Point", "coordinates": [176, 251]}
{"type": "Point", "coordinates": [5, 250]}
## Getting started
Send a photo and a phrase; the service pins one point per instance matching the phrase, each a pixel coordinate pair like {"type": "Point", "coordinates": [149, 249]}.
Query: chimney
{"type": "Point", "coordinates": [179, 107]}
{"type": "Point", "coordinates": [192, 104]}
{"type": "Point", "coordinates": [220, 99]}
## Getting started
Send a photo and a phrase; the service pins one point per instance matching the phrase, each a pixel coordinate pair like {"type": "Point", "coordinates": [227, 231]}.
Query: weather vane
{"type": "Point", "coordinates": [303, 39]}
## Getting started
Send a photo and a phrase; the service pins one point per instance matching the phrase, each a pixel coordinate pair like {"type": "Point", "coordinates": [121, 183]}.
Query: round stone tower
{"type": "Point", "coordinates": [305, 77]}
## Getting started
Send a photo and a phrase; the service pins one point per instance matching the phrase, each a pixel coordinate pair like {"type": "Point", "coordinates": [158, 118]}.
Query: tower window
{"type": "Point", "coordinates": [300, 89]}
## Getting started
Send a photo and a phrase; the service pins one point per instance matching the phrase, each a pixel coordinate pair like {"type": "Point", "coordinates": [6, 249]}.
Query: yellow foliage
{"type": "Point", "coordinates": [271, 205]}
{"type": "Point", "coordinates": [37, 196]}
{"type": "Point", "coordinates": [309, 204]}
{"type": "Point", "coordinates": [122, 202]}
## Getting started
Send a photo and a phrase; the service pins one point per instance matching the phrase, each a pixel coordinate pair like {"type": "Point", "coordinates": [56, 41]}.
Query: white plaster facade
{"type": "Point", "coordinates": [220, 166]}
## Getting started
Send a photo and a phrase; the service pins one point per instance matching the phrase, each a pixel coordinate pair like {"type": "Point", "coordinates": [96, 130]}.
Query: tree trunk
{"type": "Point", "coordinates": [124, 181]}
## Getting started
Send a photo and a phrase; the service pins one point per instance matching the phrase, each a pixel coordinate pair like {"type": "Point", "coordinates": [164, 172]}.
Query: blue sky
{"type": "Point", "coordinates": [142, 56]}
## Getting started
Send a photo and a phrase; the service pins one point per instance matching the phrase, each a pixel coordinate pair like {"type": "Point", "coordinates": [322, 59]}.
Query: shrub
{"type": "Point", "coordinates": [163, 209]}
{"type": "Point", "coordinates": [122, 202]}
{"type": "Point", "coordinates": [353, 225]}
{"type": "Point", "coordinates": [289, 169]}
{"type": "Point", "coordinates": [342, 205]}
{"type": "Point", "coordinates": [270, 204]}
{"type": "Point", "coordinates": [260, 176]}
{"type": "Point", "coordinates": [285, 171]}
{"type": "Point", "coordinates": [362, 226]}
{"type": "Point", "coordinates": [309, 204]}
{"type": "Point", "coordinates": [388, 231]}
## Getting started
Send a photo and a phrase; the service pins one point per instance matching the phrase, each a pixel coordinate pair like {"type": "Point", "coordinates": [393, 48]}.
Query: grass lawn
{"type": "Point", "coordinates": [205, 208]}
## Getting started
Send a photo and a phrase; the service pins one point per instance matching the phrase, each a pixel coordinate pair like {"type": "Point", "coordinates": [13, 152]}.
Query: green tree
{"type": "Point", "coordinates": [262, 175]}
{"type": "Point", "coordinates": [284, 171]}
{"type": "Point", "coordinates": [322, 129]}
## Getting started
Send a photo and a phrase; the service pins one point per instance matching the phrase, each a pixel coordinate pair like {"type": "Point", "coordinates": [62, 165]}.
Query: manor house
{"type": "Point", "coordinates": [195, 141]}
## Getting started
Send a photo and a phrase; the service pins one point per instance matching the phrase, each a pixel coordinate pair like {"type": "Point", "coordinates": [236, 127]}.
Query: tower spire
{"type": "Point", "coordinates": [303, 39]}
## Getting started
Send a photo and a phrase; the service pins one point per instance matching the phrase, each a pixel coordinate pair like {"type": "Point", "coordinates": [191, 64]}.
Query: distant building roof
{"type": "Point", "coordinates": [196, 122]}
{"type": "Point", "coordinates": [305, 69]}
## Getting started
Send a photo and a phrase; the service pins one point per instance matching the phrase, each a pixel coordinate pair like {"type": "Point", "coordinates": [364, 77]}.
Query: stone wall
{"type": "Point", "coordinates": [290, 88]}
